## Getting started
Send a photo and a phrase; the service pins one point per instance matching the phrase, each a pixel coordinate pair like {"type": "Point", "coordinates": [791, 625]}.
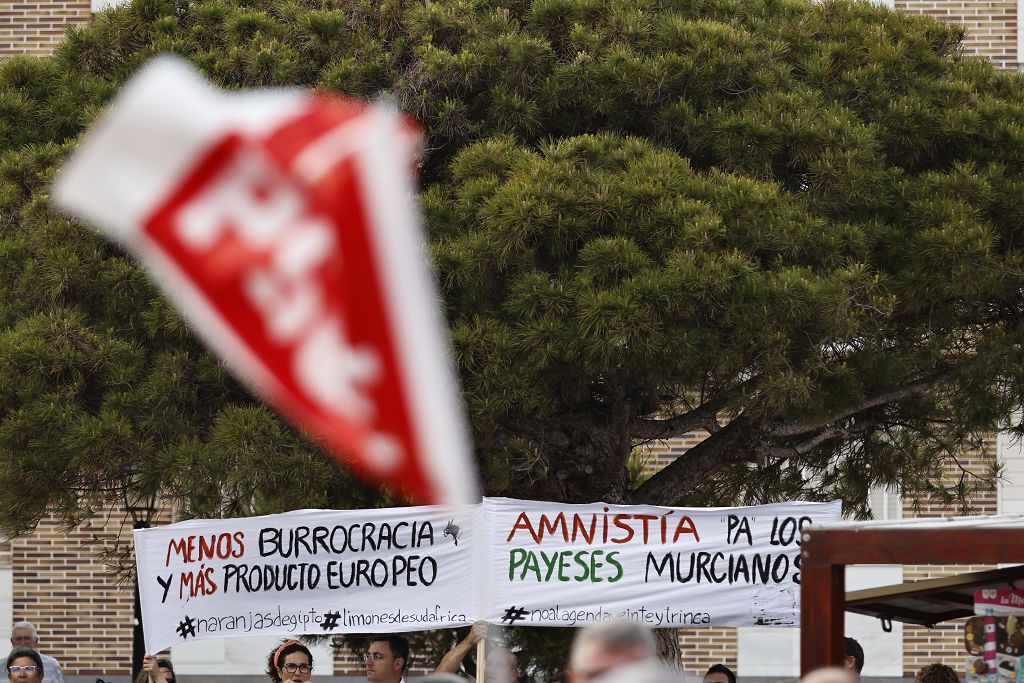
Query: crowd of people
{"type": "Point", "coordinates": [616, 652]}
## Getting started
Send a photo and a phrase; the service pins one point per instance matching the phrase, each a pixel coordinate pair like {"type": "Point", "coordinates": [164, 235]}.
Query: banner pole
{"type": "Point", "coordinates": [481, 649]}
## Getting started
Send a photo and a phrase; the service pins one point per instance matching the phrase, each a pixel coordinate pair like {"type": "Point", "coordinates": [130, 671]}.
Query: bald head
{"type": "Point", "coordinates": [829, 675]}
{"type": "Point", "coordinates": [605, 647]}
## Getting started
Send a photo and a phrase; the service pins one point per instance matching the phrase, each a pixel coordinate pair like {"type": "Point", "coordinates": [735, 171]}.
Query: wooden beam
{"type": "Point", "coordinates": [943, 586]}
{"type": "Point", "coordinates": [946, 598]}
{"type": "Point", "coordinates": [934, 545]}
{"type": "Point", "coordinates": [908, 615]}
{"type": "Point", "coordinates": [822, 602]}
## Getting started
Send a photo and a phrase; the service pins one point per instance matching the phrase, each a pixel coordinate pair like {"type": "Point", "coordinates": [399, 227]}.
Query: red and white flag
{"type": "Point", "coordinates": [283, 225]}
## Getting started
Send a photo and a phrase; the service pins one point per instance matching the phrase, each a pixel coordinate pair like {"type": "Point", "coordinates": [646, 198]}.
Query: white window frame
{"type": "Point", "coordinates": [1020, 35]}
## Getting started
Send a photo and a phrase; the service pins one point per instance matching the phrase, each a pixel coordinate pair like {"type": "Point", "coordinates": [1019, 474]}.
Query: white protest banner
{"type": "Point", "coordinates": [568, 565]}
{"type": "Point", "coordinates": [283, 225]}
{"type": "Point", "coordinates": [312, 571]}
{"type": "Point", "coordinates": [412, 569]}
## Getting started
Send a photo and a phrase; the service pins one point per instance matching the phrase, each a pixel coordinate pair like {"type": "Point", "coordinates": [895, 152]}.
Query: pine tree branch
{"type": "Point", "coordinates": [704, 416]}
{"type": "Point", "coordinates": [744, 441]}
{"type": "Point", "coordinates": [734, 443]}
{"type": "Point", "coordinates": [699, 418]}
{"type": "Point", "coordinates": [898, 394]}
{"type": "Point", "coordinates": [859, 428]}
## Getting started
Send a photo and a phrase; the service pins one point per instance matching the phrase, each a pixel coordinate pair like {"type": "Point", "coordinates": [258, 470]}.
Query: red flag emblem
{"type": "Point", "coordinates": [285, 229]}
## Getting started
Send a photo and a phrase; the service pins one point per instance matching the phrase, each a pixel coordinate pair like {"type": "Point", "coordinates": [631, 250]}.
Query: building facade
{"type": "Point", "coordinates": [58, 579]}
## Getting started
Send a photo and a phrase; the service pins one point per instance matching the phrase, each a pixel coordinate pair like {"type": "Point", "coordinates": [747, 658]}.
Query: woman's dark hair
{"type": "Point", "coordinates": [937, 673]}
{"type": "Point", "coordinates": [22, 651]}
{"type": "Point", "coordinates": [276, 658]}
{"type": "Point", "coordinates": [161, 663]}
{"type": "Point", "coordinates": [722, 669]}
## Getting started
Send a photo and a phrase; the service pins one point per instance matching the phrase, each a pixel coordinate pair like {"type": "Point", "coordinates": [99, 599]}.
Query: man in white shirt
{"type": "Point", "coordinates": [386, 659]}
{"type": "Point", "coordinates": [24, 634]}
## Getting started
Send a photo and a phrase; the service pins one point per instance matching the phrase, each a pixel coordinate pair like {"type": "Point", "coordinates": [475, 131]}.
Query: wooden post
{"type": "Point", "coordinates": [481, 649]}
{"type": "Point", "coordinates": [826, 552]}
{"type": "Point", "coordinates": [822, 607]}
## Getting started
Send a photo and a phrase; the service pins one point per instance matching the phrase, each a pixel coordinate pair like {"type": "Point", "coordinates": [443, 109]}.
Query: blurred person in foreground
{"type": "Point", "coordinates": [936, 673]}
{"type": "Point", "coordinates": [607, 647]}
{"type": "Point", "coordinates": [25, 634]}
{"type": "Point", "coordinates": [501, 665]}
{"type": "Point", "coordinates": [832, 674]}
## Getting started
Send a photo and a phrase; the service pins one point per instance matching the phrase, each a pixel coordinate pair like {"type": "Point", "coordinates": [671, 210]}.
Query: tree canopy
{"type": "Point", "coordinates": [792, 225]}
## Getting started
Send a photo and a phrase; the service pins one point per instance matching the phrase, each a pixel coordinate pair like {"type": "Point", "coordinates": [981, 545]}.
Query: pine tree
{"type": "Point", "coordinates": [793, 225]}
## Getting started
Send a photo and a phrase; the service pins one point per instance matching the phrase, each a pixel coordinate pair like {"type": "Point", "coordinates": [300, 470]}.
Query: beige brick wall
{"type": "Point", "coordinates": [944, 643]}
{"type": "Point", "coordinates": [346, 663]}
{"type": "Point", "coordinates": [660, 453]}
{"type": "Point", "coordinates": [703, 647]}
{"type": "Point", "coordinates": [36, 27]}
{"type": "Point", "coordinates": [62, 584]}
{"type": "Point", "coordinates": [991, 24]}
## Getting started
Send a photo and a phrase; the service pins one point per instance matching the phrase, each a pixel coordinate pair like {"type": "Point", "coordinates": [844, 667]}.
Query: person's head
{"type": "Point", "coordinates": [165, 667]}
{"type": "Point", "coordinates": [831, 674]}
{"type": "Point", "coordinates": [168, 670]}
{"type": "Point", "coordinates": [24, 665]}
{"type": "Point", "coordinates": [24, 634]}
{"type": "Point", "coordinates": [936, 673]}
{"type": "Point", "coordinates": [854, 655]}
{"type": "Point", "coordinates": [502, 666]}
{"type": "Point", "coordinates": [604, 647]}
{"type": "Point", "coordinates": [719, 673]}
{"type": "Point", "coordinates": [386, 658]}
{"type": "Point", "coordinates": [290, 661]}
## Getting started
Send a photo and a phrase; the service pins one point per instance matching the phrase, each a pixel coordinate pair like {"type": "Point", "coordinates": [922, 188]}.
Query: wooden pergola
{"type": "Point", "coordinates": [826, 550]}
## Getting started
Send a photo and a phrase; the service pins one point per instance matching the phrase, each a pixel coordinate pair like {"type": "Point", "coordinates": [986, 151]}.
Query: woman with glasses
{"type": "Point", "coordinates": [291, 662]}
{"type": "Point", "coordinates": [24, 665]}
{"type": "Point", "coordinates": [156, 671]}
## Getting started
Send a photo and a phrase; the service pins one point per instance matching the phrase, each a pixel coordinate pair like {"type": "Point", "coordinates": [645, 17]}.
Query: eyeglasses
{"type": "Point", "coordinates": [375, 656]}
{"type": "Point", "coordinates": [19, 669]}
{"type": "Point", "coordinates": [301, 668]}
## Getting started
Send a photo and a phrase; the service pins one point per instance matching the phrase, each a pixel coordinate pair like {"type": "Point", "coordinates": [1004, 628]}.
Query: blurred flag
{"type": "Point", "coordinates": [284, 227]}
